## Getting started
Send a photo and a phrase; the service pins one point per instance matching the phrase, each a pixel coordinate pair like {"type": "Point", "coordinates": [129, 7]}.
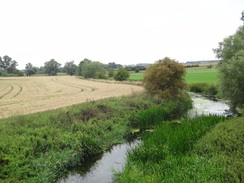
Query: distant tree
{"type": "Point", "coordinates": [93, 70]}
{"type": "Point", "coordinates": [8, 64]}
{"type": "Point", "coordinates": [80, 67]}
{"type": "Point", "coordinates": [30, 70]}
{"type": "Point", "coordinates": [165, 78]}
{"type": "Point", "coordinates": [51, 67]}
{"type": "Point", "coordinates": [111, 73]}
{"type": "Point", "coordinates": [70, 68]}
{"type": "Point", "coordinates": [121, 75]}
{"type": "Point", "coordinates": [137, 70]}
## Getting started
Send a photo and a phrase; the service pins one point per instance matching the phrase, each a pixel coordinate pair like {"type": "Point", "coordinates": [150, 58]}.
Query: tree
{"type": "Point", "coordinates": [8, 64]}
{"type": "Point", "coordinates": [137, 70]}
{"type": "Point", "coordinates": [232, 44]}
{"type": "Point", "coordinates": [111, 73]}
{"type": "Point", "coordinates": [51, 67]}
{"type": "Point", "coordinates": [80, 67]}
{"type": "Point", "coordinates": [121, 75]}
{"type": "Point", "coordinates": [30, 70]}
{"type": "Point", "coordinates": [231, 80]}
{"type": "Point", "coordinates": [242, 16]}
{"type": "Point", "coordinates": [93, 70]}
{"type": "Point", "coordinates": [231, 75]}
{"type": "Point", "coordinates": [165, 78]}
{"type": "Point", "coordinates": [70, 68]}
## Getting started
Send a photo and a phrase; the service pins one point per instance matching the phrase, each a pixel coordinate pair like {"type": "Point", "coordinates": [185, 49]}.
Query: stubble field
{"type": "Point", "coordinates": [26, 95]}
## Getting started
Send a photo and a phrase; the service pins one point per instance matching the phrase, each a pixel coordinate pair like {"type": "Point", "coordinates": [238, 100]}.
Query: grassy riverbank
{"type": "Point", "coordinates": [196, 150]}
{"type": "Point", "coordinates": [41, 147]}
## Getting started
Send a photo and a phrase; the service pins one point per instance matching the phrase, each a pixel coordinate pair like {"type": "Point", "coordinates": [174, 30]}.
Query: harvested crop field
{"type": "Point", "coordinates": [24, 95]}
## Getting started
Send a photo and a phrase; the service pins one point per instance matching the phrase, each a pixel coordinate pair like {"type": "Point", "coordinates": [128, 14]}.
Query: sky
{"type": "Point", "coordinates": [121, 31]}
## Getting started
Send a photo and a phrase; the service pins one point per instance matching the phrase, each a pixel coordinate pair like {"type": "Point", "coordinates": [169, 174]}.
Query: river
{"type": "Point", "coordinates": [102, 168]}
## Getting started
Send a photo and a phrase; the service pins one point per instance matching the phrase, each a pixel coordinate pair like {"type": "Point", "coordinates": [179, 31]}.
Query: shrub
{"type": "Point", "coordinates": [121, 75]}
{"type": "Point", "coordinates": [203, 88]}
{"type": "Point", "coordinates": [165, 78]}
{"type": "Point", "coordinates": [111, 73]}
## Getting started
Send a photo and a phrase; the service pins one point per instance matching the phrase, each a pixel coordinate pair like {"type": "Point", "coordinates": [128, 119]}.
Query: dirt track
{"type": "Point", "coordinates": [24, 95]}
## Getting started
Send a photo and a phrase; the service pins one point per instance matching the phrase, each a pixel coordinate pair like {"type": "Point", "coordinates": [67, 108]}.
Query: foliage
{"type": "Point", "coordinates": [80, 67]}
{"type": "Point", "coordinates": [231, 74]}
{"type": "Point", "coordinates": [167, 154]}
{"type": "Point", "coordinates": [137, 70]}
{"type": "Point", "coordinates": [51, 67]}
{"type": "Point", "coordinates": [30, 70]}
{"type": "Point", "coordinates": [41, 147]}
{"type": "Point", "coordinates": [93, 70]}
{"type": "Point", "coordinates": [8, 64]}
{"type": "Point", "coordinates": [165, 78]}
{"type": "Point", "coordinates": [225, 141]}
{"type": "Point", "coordinates": [111, 73]}
{"type": "Point", "coordinates": [122, 74]}
{"type": "Point", "coordinates": [231, 79]}
{"type": "Point", "coordinates": [206, 89]}
{"type": "Point", "coordinates": [70, 68]}
{"type": "Point", "coordinates": [230, 45]}
{"type": "Point", "coordinates": [112, 65]}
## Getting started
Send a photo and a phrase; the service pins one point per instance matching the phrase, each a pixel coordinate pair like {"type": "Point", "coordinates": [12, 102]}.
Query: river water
{"type": "Point", "coordinates": [101, 170]}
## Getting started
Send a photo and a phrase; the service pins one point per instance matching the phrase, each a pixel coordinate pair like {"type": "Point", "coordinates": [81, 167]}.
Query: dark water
{"type": "Point", "coordinates": [103, 169]}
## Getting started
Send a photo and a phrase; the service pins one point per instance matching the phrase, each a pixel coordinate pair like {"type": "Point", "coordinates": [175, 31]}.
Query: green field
{"type": "Point", "coordinates": [193, 75]}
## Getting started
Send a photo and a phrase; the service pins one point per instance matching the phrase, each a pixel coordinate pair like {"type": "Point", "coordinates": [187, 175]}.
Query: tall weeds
{"type": "Point", "coordinates": [166, 154]}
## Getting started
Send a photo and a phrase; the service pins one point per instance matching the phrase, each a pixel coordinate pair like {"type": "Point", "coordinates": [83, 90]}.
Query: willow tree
{"type": "Point", "coordinates": [165, 78]}
{"type": "Point", "coordinates": [231, 68]}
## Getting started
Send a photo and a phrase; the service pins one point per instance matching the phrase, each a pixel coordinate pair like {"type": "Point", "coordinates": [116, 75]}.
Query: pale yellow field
{"type": "Point", "coordinates": [24, 95]}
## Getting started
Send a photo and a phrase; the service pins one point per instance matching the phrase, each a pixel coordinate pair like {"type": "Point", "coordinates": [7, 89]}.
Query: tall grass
{"type": "Point", "coordinates": [209, 90]}
{"type": "Point", "coordinates": [166, 155]}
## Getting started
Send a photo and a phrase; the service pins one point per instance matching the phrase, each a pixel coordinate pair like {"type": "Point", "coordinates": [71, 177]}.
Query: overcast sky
{"type": "Point", "coordinates": [121, 31]}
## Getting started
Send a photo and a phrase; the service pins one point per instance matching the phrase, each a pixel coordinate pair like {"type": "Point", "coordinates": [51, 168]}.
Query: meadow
{"type": "Point", "coordinates": [24, 95]}
{"type": "Point", "coordinates": [193, 75]}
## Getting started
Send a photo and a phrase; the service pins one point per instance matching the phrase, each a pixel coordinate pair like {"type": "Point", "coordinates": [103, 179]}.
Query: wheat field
{"type": "Point", "coordinates": [24, 95]}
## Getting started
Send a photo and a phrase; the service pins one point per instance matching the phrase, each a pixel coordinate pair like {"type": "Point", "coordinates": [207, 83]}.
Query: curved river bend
{"type": "Point", "coordinates": [101, 170]}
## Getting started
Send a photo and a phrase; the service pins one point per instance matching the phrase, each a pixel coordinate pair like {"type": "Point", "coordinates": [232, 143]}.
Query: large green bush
{"type": "Point", "coordinates": [121, 75]}
{"type": "Point", "coordinates": [165, 78]}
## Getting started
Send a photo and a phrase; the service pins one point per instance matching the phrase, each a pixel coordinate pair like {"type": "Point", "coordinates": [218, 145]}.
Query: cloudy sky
{"type": "Point", "coordinates": [121, 31]}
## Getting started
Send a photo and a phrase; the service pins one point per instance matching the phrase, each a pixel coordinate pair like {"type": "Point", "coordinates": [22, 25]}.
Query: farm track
{"type": "Point", "coordinates": [73, 85]}
{"type": "Point", "coordinates": [9, 91]}
{"type": "Point", "coordinates": [26, 95]}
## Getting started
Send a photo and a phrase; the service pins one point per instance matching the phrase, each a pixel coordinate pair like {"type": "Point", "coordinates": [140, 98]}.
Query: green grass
{"type": "Point", "coordinates": [193, 75]}
{"type": "Point", "coordinates": [167, 155]}
{"type": "Point", "coordinates": [201, 77]}
{"type": "Point", "coordinates": [136, 76]}
{"type": "Point", "coordinates": [41, 147]}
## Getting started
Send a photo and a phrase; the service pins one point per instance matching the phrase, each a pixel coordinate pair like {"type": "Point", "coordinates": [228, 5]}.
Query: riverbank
{"type": "Point", "coordinates": [201, 149]}
{"type": "Point", "coordinates": [42, 147]}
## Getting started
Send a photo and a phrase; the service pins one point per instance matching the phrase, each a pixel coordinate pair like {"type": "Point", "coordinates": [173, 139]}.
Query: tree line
{"type": "Point", "coordinates": [86, 68]}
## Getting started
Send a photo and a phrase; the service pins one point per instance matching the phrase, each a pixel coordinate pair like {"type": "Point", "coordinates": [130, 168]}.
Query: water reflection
{"type": "Point", "coordinates": [102, 170]}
